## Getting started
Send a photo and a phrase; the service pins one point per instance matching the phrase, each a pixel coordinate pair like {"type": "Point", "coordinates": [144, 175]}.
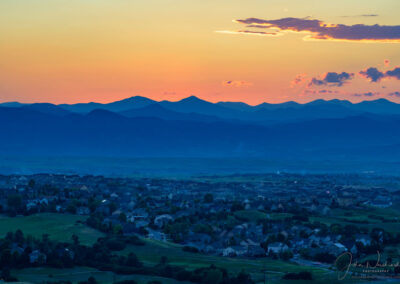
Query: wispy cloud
{"type": "Point", "coordinates": [248, 32]}
{"type": "Point", "coordinates": [236, 83]}
{"type": "Point", "coordinates": [298, 80]}
{"type": "Point", "coordinates": [368, 94]}
{"type": "Point", "coordinates": [395, 94]}
{"type": "Point", "coordinates": [319, 30]}
{"type": "Point", "coordinates": [320, 92]}
{"type": "Point", "coordinates": [362, 16]}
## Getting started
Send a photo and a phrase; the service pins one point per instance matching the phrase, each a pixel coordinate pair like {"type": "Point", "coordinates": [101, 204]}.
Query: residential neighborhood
{"type": "Point", "coordinates": [283, 216]}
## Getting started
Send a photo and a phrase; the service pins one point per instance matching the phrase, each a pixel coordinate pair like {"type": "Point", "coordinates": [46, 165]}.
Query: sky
{"type": "Point", "coordinates": [69, 51]}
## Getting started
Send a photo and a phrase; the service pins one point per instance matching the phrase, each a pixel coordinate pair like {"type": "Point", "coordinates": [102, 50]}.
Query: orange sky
{"type": "Point", "coordinates": [79, 51]}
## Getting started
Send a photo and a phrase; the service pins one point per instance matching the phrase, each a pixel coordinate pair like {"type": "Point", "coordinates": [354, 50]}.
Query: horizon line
{"type": "Point", "coordinates": [196, 97]}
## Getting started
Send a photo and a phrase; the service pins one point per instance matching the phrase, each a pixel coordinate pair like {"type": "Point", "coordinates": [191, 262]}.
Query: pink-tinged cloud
{"type": "Point", "coordinates": [319, 30]}
{"type": "Point", "coordinates": [332, 79]}
{"type": "Point", "coordinates": [368, 94]}
{"type": "Point", "coordinates": [386, 62]}
{"type": "Point", "coordinates": [298, 80]}
{"type": "Point", "coordinates": [395, 94]}
{"type": "Point", "coordinates": [320, 92]}
{"type": "Point", "coordinates": [236, 83]}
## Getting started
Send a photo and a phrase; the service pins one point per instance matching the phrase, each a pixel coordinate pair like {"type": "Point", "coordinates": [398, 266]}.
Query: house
{"type": "Point", "coordinates": [277, 248]}
{"type": "Point", "coordinates": [161, 220]}
{"type": "Point", "coordinates": [17, 250]}
{"type": "Point", "coordinates": [198, 237]}
{"type": "Point", "coordinates": [82, 210]}
{"type": "Point", "coordinates": [155, 235]}
{"type": "Point", "coordinates": [234, 251]}
{"type": "Point", "coordinates": [335, 248]}
{"type": "Point", "coordinates": [344, 200]}
{"type": "Point", "coordinates": [364, 239]}
{"type": "Point", "coordinates": [255, 250]}
{"type": "Point", "coordinates": [230, 252]}
{"type": "Point", "coordinates": [37, 257]}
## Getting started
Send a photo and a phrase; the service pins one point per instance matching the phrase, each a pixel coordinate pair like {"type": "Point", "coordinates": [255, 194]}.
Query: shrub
{"type": "Point", "coordinates": [303, 275]}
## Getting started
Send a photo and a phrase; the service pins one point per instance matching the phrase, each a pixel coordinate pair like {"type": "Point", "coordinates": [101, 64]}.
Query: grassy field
{"type": "Point", "coordinates": [364, 218]}
{"type": "Point", "coordinates": [151, 253]}
{"type": "Point", "coordinates": [59, 227]}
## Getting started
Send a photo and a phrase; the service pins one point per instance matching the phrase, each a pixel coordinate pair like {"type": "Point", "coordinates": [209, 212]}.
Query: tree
{"type": "Point", "coordinates": [286, 255]}
{"type": "Point", "coordinates": [208, 198]}
{"type": "Point", "coordinates": [14, 201]}
{"type": "Point", "coordinates": [6, 276]}
{"type": "Point", "coordinates": [244, 278]}
{"type": "Point", "coordinates": [71, 208]}
{"type": "Point", "coordinates": [92, 280]}
{"type": "Point", "coordinates": [163, 260]}
{"type": "Point", "coordinates": [112, 206]}
{"type": "Point", "coordinates": [31, 183]}
{"type": "Point", "coordinates": [19, 237]}
{"type": "Point", "coordinates": [132, 260]}
{"type": "Point", "coordinates": [303, 275]}
{"type": "Point", "coordinates": [122, 217]}
{"type": "Point", "coordinates": [212, 276]}
{"type": "Point", "coordinates": [75, 239]}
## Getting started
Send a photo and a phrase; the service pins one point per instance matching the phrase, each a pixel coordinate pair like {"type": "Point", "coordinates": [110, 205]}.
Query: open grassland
{"type": "Point", "coordinates": [152, 252]}
{"type": "Point", "coordinates": [369, 217]}
{"type": "Point", "coordinates": [59, 227]}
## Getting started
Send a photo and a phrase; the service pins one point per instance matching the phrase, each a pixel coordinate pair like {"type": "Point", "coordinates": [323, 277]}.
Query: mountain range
{"type": "Point", "coordinates": [141, 127]}
{"type": "Point", "coordinates": [193, 108]}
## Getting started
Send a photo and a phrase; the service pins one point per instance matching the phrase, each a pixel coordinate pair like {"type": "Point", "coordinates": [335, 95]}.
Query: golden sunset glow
{"type": "Point", "coordinates": [80, 51]}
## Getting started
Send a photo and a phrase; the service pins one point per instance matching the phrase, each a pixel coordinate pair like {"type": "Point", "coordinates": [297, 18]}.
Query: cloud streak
{"type": "Point", "coordinates": [368, 94]}
{"type": "Point", "coordinates": [319, 30]}
{"type": "Point", "coordinates": [395, 94]}
{"type": "Point", "coordinates": [298, 80]}
{"type": "Point", "coordinates": [236, 83]}
{"type": "Point", "coordinates": [363, 15]}
{"type": "Point", "coordinates": [248, 32]}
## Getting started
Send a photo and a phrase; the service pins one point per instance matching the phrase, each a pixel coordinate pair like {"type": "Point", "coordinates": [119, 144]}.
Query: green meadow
{"type": "Point", "coordinates": [59, 227]}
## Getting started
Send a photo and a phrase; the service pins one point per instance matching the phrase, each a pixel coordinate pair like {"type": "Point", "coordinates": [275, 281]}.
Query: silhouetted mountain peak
{"type": "Point", "coordinates": [193, 99]}
{"type": "Point", "coordinates": [12, 104]}
{"type": "Point", "coordinates": [379, 101]}
{"type": "Point", "coordinates": [135, 99]}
